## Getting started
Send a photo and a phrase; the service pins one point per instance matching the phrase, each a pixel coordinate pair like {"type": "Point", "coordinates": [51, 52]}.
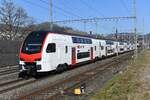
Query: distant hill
{"type": "Point", "coordinates": [23, 31]}
{"type": "Point", "coordinates": [56, 28]}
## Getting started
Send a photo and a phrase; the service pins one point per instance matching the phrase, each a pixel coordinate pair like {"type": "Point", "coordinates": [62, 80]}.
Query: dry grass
{"type": "Point", "coordinates": [130, 84]}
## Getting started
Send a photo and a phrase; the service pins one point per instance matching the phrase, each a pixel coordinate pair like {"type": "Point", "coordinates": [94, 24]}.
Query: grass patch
{"type": "Point", "coordinates": [122, 85]}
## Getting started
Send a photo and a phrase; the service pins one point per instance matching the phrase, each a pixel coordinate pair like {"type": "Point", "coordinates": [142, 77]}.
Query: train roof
{"type": "Point", "coordinates": [73, 34]}
{"type": "Point", "coordinates": [65, 33]}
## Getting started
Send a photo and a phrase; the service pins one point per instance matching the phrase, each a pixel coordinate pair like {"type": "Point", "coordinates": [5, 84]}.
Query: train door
{"type": "Point", "coordinates": [91, 53]}
{"type": "Point", "coordinates": [73, 55]}
{"type": "Point", "coordinates": [50, 57]}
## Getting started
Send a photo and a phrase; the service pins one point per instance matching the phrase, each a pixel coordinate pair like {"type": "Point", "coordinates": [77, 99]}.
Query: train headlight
{"type": "Point", "coordinates": [21, 59]}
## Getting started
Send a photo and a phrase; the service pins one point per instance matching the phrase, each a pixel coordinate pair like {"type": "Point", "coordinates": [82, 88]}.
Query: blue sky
{"type": "Point", "coordinates": [77, 9]}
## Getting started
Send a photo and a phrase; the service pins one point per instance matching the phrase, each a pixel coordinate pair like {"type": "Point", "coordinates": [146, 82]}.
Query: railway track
{"type": "Point", "coordinates": [8, 70]}
{"type": "Point", "coordinates": [53, 90]}
{"type": "Point", "coordinates": [13, 84]}
{"type": "Point", "coordinates": [84, 79]}
{"type": "Point", "coordinates": [9, 82]}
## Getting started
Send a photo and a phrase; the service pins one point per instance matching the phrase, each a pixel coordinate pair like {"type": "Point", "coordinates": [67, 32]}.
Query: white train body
{"type": "Point", "coordinates": [121, 47]}
{"type": "Point", "coordinates": [102, 45]}
{"type": "Point", "coordinates": [50, 51]}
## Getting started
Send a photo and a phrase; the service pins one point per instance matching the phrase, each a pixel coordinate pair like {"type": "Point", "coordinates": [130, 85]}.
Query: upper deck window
{"type": "Point", "coordinates": [121, 43]}
{"type": "Point", "coordinates": [109, 42]}
{"type": "Point", "coordinates": [81, 40]}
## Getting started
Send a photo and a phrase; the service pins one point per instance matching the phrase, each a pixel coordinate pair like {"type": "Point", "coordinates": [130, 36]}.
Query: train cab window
{"type": "Point", "coordinates": [51, 48]}
{"type": "Point", "coordinates": [66, 49]}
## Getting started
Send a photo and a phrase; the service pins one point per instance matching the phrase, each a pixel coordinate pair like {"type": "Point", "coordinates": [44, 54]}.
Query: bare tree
{"type": "Point", "coordinates": [13, 19]}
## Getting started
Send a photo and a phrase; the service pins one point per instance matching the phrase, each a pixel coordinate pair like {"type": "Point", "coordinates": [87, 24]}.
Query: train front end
{"type": "Point", "coordinates": [31, 54]}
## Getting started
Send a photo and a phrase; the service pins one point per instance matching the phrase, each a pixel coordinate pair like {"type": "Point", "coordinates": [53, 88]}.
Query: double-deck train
{"type": "Point", "coordinates": [44, 51]}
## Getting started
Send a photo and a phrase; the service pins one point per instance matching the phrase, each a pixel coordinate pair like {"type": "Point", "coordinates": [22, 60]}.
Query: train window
{"type": "Point", "coordinates": [51, 48]}
{"type": "Point", "coordinates": [66, 49]}
{"type": "Point", "coordinates": [90, 41]}
{"type": "Point", "coordinates": [102, 47]}
{"type": "Point", "coordinates": [84, 41]}
{"type": "Point", "coordinates": [112, 43]}
{"type": "Point", "coordinates": [74, 40]}
{"type": "Point", "coordinates": [109, 42]}
{"type": "Point", "coordinates": [99, 43]}
{"type": "Point", "coordinates": [95, 48]}
{"type": "Point", "coordinates": [121, 43]}
{"type": "Point", "coordinates": [110, 51]}
{"type": "Point", "coordinates": [81, 40]}
{"type": "Point", "coordinates": [78, 40]}
{"type": "Point", "coordinates": [83, 55]}
{"type": "Point", "coordinates": [33, 42]}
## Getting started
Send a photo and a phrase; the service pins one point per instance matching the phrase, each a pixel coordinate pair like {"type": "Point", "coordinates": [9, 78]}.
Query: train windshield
{"type": "Point", "coordinates": [33, 42]}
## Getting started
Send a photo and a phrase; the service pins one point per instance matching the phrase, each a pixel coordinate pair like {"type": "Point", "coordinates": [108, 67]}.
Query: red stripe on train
{"type": "Point", "coordinates": [73, 55]}
{"type": "Point", "coordinates": [30, 58]}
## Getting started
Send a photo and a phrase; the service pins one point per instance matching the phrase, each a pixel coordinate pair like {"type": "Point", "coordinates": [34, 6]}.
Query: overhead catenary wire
{"type": "Point", "coordinates": [69, 13]}
{"type": "Point", "coordinates": [62, 9]}
{"type": "Point", "coordinates": [42, 7]}
{"type": "Point", "coordinates": [91, 8]}
{"type": "Point", "coordinates": [125, 6]}
{"type": "Point", "coordinates": [67, 5]}
{"type": "Point", "coordinates": [36, 5]}
{"type": "Point", "coordinates": [96, 19]}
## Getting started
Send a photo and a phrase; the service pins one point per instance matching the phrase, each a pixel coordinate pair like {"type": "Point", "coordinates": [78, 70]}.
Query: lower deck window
{"type": "Point", "coordinates": [110, 51]}
{"type": "Point", "coordinates": [83, 55]}
{"type": "Point", "coordinates": [121, 49]}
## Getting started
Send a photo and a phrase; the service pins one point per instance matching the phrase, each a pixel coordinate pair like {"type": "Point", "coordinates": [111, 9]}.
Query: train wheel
{"type": "Point", "coordinates": [103, 57]}
{"type": "Point", "coordinates": [23, 74]}
{"type": "Point", "coordinates": [96, 59]}
{"type": "Point", "coordinates": [60, 68]}
{"type": "Point", "coordinates": [65, 66]}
